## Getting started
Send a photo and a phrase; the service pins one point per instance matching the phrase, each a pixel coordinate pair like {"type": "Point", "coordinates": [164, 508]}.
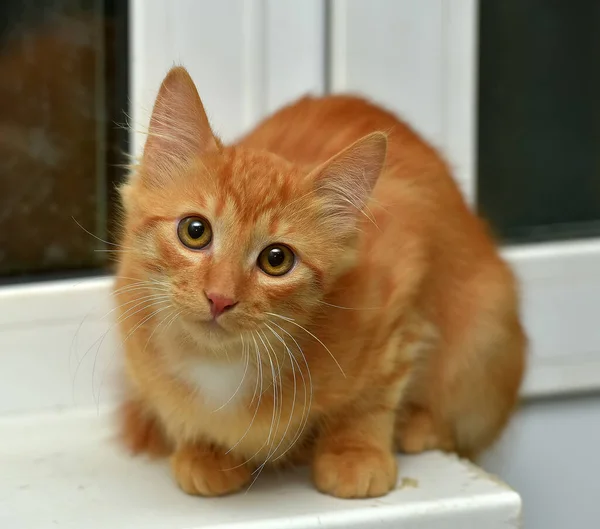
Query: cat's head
{"type": "Point", "coordinates": [238, 236]}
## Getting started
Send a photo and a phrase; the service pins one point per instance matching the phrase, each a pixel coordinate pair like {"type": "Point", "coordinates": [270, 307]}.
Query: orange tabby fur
{"type": "Point", "coordinates": [400, 320]}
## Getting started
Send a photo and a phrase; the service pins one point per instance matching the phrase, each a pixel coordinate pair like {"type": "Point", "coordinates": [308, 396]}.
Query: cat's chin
{"type": "Point", "coordinates": [208, 329]}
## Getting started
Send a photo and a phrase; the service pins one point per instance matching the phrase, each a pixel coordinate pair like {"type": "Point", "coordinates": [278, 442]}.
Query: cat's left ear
{"type": "Point", "coordinates": [179, 128]}
{"type": "Point", "coordinates": [346, 181]}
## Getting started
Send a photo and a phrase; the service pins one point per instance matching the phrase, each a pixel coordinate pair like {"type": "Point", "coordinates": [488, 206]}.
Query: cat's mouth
{"type": "Point", "coordinates": [214, 324]}
{"type": "Point", "coordinates": [206, 324]}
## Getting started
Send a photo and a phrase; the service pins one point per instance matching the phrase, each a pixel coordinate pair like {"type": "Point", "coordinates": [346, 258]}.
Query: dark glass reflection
{"type": "Point", "coordinates": [539, 118]}
{"type": "Point", "coordinates": [63, 86]}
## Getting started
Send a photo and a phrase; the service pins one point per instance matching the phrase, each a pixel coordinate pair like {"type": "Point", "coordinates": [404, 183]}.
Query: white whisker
{"type": "Point", "coordinates": [152, 314]}
{"type": "Point", "coordinates": [272, 429]}
{"type": "Point", "coordinates": [73, 346]}
{"type": "Point", "coordinates": [98, 238]}
{"type": "Point", "coordinates": [259, 363]}
{"type": "Point", "coordinates": [247, 357]}
{"type": "Point", "coordinates": [347, 308]}
{"type": "Point", "coordinates": [292, 360]}
{"type": "Point", "coordinates": [146, 305]}
{"type": "Point", "coordinates": [274, 378]}
{"type": "Point", "coordinates": [280, 400]}
{"type": "Point", "coordinates": [100, 341]}
{"type": "Point", "coordinates": [156, 329]}
{"type": "Point", "coordinates": [139, 301]}
{"type": "Point", "coordinates": [289, 320]}
{"type": "Point", "coordinates": [303, 422]}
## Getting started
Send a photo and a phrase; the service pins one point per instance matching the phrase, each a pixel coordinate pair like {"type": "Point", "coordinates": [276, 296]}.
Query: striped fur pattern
{"type": "Point", "coordinates": [396, 328]}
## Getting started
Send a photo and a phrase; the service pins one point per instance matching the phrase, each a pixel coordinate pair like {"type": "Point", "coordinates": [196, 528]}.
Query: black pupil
{"type": "Point", "coordinates": [276, 257]}
{"type": "Point", "coordinates": [196, 229]}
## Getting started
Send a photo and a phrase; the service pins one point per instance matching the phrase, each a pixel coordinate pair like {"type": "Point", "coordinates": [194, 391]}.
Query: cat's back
{"type": "Point", "coordinates": [313, 129]}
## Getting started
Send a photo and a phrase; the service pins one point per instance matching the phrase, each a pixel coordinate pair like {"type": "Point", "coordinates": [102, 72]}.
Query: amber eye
{"type": "Point", "coordinates": [276, 260]}
{"type": "Point", "coordinates": [194, 232]}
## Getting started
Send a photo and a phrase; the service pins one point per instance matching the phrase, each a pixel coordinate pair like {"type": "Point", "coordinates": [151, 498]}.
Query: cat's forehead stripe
{"type": "Point", "coordinates": [254, 185]}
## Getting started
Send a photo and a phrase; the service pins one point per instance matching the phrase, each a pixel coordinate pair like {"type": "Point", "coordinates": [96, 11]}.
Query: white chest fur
{"type": "Point", "coordinates": [219, 384]}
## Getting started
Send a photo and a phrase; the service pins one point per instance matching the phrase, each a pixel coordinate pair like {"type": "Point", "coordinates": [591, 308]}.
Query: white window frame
{"type": "Point", "coordinates": [560, 281]}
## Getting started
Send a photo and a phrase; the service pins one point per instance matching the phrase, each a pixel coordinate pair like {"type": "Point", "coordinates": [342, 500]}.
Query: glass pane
{"type": "Point", "coordinates": [539, 118]}
{"type": "Point", "coordinates": [63, 78]}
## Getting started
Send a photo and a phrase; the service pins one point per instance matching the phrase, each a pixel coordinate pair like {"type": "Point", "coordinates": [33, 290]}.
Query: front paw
{"type": "Point", "coordinates": [204, 471]}
{"type": "Point", "coordinates": [363, 472]}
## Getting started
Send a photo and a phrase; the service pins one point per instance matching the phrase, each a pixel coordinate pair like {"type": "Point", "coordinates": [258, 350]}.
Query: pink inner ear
{"type": "Point", "coordinates": [347, 179]}
{"type": "Point", "coordinates": [179, 128]}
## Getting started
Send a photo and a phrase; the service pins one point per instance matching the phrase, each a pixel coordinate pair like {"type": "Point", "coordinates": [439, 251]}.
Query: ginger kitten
{"type": "Point", "coordinates": [318, 291]}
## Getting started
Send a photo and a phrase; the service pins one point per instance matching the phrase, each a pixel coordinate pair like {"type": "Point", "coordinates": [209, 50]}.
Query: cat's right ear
{"type": "Point", "coordinates": [179, 128]}
{"type": "Point", "coordinates": [346, 181]}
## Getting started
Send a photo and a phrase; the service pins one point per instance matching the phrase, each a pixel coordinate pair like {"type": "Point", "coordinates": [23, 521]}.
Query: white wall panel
{"type": "Point", "coordinates": [247, 57]}
{"type": "Point", "coordinates": [417, 59]}
{"type": "Point", "coordinates": [295, 50]}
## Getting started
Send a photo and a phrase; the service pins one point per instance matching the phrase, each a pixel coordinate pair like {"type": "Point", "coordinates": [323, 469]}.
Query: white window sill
{"type": "Point", "coordinates": [65, 471]}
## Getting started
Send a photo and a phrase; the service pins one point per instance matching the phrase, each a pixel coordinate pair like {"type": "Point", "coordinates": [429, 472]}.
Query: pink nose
{"type": "Point", "coordinates": [219, 304]}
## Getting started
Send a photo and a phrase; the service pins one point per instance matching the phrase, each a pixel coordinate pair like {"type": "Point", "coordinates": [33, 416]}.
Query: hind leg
{"type": "Point", "coordinates": [418, 432]}
{"type": "Point", "coordinates": [464, 398]}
